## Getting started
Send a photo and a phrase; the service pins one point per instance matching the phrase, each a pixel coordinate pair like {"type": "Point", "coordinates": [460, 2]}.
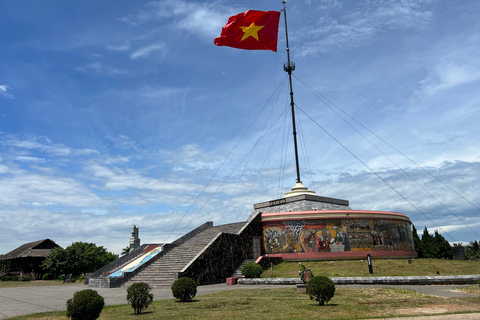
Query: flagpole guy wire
{"type": "Point", "coordinates": [289, 67]}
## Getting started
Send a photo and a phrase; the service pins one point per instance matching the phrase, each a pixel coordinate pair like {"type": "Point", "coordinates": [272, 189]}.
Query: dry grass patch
{"type": "Point", "coordinates": [470, 289]}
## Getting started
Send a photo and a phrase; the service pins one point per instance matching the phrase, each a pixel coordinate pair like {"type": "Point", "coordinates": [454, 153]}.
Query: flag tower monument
{"type": "Point", "coordinates": [303, 225]}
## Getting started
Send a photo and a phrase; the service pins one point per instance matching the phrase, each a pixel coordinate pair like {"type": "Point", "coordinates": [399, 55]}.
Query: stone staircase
{"type": "Point", "coordinates": [238, 271]}
{"type": "Point", "coordinates": [163, 271]}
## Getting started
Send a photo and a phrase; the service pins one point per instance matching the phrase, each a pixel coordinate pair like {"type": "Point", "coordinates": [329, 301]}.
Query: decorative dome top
{"type": "Point", "coordinates": [299, 189]}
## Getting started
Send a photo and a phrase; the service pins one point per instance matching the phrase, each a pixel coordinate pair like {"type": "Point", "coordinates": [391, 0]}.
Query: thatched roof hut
{"type": "Point", "coordinates": [27, 258]}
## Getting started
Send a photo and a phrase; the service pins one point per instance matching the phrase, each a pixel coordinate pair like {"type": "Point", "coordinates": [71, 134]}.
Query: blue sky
{"type": "Point", "coordinates": [115, 113]}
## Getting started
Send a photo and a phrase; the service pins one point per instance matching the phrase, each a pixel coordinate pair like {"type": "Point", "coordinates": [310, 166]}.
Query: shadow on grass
{"type": "Point", "coordinates": [178, 301]}
{"type": "Point", "coordinates": [143, 312]}
{"type": "Point", "coordinates": [326, 305]}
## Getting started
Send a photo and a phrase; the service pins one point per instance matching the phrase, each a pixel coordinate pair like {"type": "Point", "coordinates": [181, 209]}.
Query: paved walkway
{"type": "Point", "coordinates": [27, 300]}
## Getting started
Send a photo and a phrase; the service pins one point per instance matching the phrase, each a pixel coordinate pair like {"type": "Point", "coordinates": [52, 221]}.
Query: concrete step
{"type": "Point", "coordinates": [162, 271]}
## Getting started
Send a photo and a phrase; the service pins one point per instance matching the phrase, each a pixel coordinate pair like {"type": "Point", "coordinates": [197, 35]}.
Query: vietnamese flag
{"type": "Point", "coordinates": [251, 30]}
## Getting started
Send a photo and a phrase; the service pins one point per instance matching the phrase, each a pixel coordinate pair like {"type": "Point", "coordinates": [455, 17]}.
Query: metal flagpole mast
{"type": "Point", "coordinates": [289, 67]}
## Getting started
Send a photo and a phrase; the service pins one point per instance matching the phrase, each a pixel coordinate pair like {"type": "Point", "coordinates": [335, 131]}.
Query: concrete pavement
{"type": "Point", "coordinates": [28, 300]}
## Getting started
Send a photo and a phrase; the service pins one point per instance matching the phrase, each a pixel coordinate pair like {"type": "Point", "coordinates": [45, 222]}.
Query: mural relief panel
{"type": "Point", "coordinates": [309, 236]}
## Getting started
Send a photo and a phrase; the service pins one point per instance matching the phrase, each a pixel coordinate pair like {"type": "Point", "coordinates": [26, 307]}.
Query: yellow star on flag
{"type": "Point", "coordinates": [251, 31]}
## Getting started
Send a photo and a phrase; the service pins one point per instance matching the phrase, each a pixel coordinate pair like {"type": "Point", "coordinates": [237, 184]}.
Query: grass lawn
{"type": "Point", "coordinates": [288, 304]}
{"type": "Point", "coordinates": [381, 267]}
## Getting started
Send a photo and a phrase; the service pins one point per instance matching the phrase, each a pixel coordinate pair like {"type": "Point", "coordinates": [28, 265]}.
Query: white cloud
{"type": "Point", "coordinates": [449, 76]}
{"type": "Point", "coordinates": [100, 69]}
{"type": "Point", "coordinates": [30, 159]}
{"type": "Point", "coordinates": [25, 187]}
{"type": "Point", "coordinates": [146, 51]}
{"type": "Point", "coordinates": [200, 18]}
{"type": "Point", "coordinates": [4, 89]}
{"type": "Point", "coordinates": [44, 144]}
{"type": "Point", "coordinates": [352, 29]}
{"type": "Point", "coordinates": [115, 178]}
{"type": "Point", "coordinates": [120, 48]}
{"type": "Point", "coordinates": [190, 158]}
{"type": "Point", "coordinates": [123, 142]}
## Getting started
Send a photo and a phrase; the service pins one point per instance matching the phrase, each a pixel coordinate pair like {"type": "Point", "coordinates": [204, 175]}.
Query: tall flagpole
{"type": "Point", "coordinates": [289, 67]}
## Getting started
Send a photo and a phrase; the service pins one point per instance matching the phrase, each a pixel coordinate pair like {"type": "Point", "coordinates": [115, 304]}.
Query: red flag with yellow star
{"type": "Point", "coordinates": [251, 30]}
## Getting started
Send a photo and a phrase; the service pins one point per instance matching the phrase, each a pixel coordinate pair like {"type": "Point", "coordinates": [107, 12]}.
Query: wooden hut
{"type": "Point", "coordinates": [27, 259]}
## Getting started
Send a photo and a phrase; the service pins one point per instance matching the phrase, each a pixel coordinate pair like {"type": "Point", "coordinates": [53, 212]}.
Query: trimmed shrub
{"type": "Point", "coordinates": [6, 278]}
{"type": "Point", "coordinates": [47, 276]}
{"type": "Point", "coordinates": [184, 289]}
{"type": "Point", "coordinates": [85, 305]}
{"type": "Point", "coordinates": [321, 288]}
{"type": "Point", "coordinates": [139, 296]}
{"type": "Point", "coordinates": [25, 278]}
{"type": "Point", "coordinates": [252, 270]}
{"type": "Point", "coordinates": [16, 278]}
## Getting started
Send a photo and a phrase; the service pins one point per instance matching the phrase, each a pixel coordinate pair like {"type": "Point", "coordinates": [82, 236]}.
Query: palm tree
{"type": "Point", "coordinates": [125, 250]}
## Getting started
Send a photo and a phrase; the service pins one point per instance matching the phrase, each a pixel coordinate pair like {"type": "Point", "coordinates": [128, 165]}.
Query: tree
{"type": "Point", "coordinates": [417, 242]}
{"type": "Point", "coordinates": [472, 251]}
{"type": "Point", "coordinates": [435, 246]}
{"type": "Point", "coordinates": [125, 251]}
{"type": "Point", "coordinates": [429, 246]}
{"type": "Point", "coordinates": [139, 296]}
{"type": "Point", "coordinates": [78, 258]}
{"type": "Point", "coordinates": [56, 262]}
{"type": "Point", "coordinates": [444, 247]}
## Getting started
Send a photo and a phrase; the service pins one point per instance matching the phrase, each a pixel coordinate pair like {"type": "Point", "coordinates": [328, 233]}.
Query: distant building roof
{"type": "Point", "coordinates": [40, 248]}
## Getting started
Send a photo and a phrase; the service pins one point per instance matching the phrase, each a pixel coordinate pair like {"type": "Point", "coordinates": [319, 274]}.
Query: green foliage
{"type": "Point", "coordinates": [184, 289]}
{"type": "Point", "coordinates": [47, 276]}
{"type": "Point", "coordinates": [252, 270]}
{"type": "Point", "coordinates": [435, 247]}
{"type": "Point", "coordinates": [125, 250]}
{"type": "Point", "coordinates": [25, 278]}
{"type": "Point", "coordinates": [444, 248]}
{"type": "Point", "coordinates": [139, 296]}
{"type": "Point", "coordinates": [417, 242]}
{"type": "Point", "coordinates": [321, 288]}
{"type": "Point", "coordinates": [430, 249]}
{"type": "Point", "coordinates": [6, 278]}
{"type": "Point", "coordinates": [472, 251]}
{"type": "Point", "coordinates": [85, 305]}
{"type": "Point", "coordinates": [78, 258]}
{"type": "Point", "coordinates": [16, 278]}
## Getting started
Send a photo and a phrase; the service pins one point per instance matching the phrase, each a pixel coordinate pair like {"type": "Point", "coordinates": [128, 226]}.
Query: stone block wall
{"type": "Point", "coordinates": [226, 252]}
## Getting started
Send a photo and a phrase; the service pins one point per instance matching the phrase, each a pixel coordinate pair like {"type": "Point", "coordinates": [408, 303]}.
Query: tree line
{"type": "Point", "coordinates": [437, 247]}
{"type": "Point", "coordinates": [77, 259]}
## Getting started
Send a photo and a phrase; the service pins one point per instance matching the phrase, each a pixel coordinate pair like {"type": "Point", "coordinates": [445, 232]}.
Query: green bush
{"type": "Point", "coordinates": [85, 305]}
{"type": "Point", "coordinates": [252, 270]}
{"type": "Point", "coordinates": [47, 276]}
{"type": "Point", "coordinates": [184, 289]}
{"type": "Point", "coordinates": [6, 278]}
{"type": "Point", "coordinates": [321, 288]}
{"type": "Point", "coordinates": [16, 278]}
{"type": "Point", "coordinates": [25, 278]}
{"type": "Point", "coordinates": [139, 296]}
